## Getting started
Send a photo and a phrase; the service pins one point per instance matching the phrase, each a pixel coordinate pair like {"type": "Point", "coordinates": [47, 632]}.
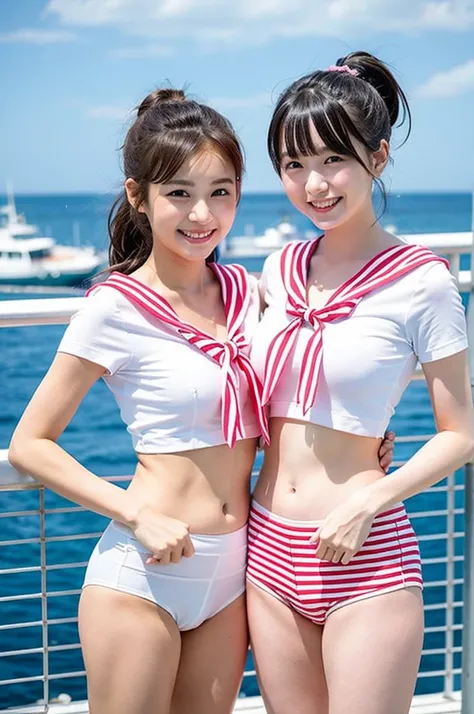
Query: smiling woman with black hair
{"type": "Point", "coordinates": [334, 595]}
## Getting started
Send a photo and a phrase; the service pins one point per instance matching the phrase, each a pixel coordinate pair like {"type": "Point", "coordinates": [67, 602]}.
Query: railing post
{"type": "Point", "coordinates": [468, 610]}
{"type": "Point", "coordinates": [450, 575]}
{"type": "Point", "coordinates": [44, 600]}
{"type": "Point", "coordinates": [468, 629]}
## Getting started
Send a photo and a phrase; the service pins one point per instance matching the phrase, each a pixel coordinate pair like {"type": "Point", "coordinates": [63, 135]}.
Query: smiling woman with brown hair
{"type": "Point", "coordinates": [169, 332]}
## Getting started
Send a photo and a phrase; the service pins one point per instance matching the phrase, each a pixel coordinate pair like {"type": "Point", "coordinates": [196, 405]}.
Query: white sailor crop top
{"type": "Point", "coordinates": [346, 366]}
{"type": "Point", "coordinates": [177, 388]}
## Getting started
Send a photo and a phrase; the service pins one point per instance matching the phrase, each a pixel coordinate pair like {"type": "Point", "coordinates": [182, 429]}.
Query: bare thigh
{"type": "Point", "coordinates": [287, 653]}
{"type": "Point", "coordinates": [212, 663]}
{"type": "Point", "coordinates": [371, 652]}
{"type": "Point", "coordinates": [131, 650]}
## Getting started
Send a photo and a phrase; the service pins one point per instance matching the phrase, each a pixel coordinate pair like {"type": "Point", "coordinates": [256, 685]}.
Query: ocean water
{"type": "Point", "coordinates": [98, 439]}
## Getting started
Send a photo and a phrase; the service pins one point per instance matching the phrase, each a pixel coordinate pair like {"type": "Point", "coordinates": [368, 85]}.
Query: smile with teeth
{"type": "Point", "coordinates": [328, 203]}
{"type": "Point", "coordinates": [195, 234]}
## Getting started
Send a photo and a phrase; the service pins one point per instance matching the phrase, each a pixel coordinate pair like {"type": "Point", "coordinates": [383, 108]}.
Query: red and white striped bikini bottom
{"type": "Point", "coordinates": [282, 561]}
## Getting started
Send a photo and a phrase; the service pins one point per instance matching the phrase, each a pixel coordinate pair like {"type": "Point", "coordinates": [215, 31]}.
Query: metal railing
{"type": "Point", "coordinates": [10, 480]}
{"type": "Point", "coordinates": [446, 652]}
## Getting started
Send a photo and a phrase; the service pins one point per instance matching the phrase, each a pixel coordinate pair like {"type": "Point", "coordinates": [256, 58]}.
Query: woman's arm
{"type": "Point", "coordinates": [347, 527]}
{"type": "Point", "coordinates": [450, 391]}
{"type": "Point", "coordinates": [34, 450]}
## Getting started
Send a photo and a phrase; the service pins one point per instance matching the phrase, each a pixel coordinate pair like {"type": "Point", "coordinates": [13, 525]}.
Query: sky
{"type": "Point", "coordinates": [72, 71]}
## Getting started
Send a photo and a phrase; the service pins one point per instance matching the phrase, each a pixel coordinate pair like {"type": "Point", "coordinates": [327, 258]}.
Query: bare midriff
{"type": "Point", "coordinates": [310, 469]}
{"type": "Point", "coordinates": [208, 489]}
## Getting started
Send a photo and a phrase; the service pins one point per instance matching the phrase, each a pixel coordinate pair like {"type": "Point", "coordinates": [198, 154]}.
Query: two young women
{"type": "Point", "coordinates": [333, 564]}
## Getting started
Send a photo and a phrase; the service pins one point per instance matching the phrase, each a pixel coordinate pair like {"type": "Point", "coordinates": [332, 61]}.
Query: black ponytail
{"type": "Point", "coordinates": [358, 98]}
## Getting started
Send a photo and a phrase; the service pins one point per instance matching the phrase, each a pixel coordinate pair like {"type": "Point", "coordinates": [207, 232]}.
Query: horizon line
{"type": "Point", "coordinates": [265, 192]}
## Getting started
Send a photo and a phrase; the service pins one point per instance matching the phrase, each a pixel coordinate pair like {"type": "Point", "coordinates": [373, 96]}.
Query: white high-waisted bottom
{"type": "Point", "coordinates": [192, 590]}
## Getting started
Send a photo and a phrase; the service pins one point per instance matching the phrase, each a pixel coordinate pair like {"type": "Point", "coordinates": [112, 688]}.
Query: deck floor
{"type": "Point", "coordinates": [426, 704]}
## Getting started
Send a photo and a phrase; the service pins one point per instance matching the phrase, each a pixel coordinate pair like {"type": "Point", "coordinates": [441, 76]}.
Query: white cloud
{"type": "Point", "coordinates": [109, 111]}
{"type": "Point", "coordinates": [38, 37]}
{"type": "Point", "coordinates": [449, 15]}
{"type": "Point", "coordinates": [450, 83]}
{"type": "Point", "coordinates": [254, 21]}
{"type": "Point", "coordinates": [141, 52]}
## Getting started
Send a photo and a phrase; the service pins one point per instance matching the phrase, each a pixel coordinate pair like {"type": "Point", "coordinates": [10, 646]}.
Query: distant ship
{"type": "Point", "coordinates": [29, 259]}
{"type": "Point", "coordinates": [271, 239]}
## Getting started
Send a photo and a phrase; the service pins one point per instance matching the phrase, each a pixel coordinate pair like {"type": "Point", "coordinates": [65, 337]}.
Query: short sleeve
{"type": "Point", "coordinates": [96, 332]}
{"type": "Point", "coordinates": [436, 322]}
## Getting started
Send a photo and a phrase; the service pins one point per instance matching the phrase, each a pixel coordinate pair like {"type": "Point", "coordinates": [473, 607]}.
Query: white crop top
{"type": "Point", "coordinates": [170, 392]}
{"type": "Point", "coordinates": [368, 358]}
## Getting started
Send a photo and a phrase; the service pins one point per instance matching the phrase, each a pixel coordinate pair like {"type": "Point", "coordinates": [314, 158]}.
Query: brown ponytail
{"type": "Point", "coordinates": [131, 240]}
{"type": "Point", "coordinates": [160, 95]}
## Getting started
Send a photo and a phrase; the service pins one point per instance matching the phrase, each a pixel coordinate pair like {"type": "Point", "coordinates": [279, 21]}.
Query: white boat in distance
{"type": "Point", "coordinates": [272, 239]}
{"type": "Point", "coordinates": [259, 246]}
{"type": "Point", "coordinates": [28, 259]}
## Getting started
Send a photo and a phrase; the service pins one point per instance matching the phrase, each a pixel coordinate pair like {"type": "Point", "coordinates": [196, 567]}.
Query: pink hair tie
{"type": "Point", "coordinates": [343, 68]}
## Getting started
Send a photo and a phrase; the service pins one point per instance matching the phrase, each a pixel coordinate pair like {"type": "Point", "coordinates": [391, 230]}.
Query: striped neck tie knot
{"type": "Point", "coordinates": [310, 315]}
{"type": "Point", "coordinates": [229, 350]}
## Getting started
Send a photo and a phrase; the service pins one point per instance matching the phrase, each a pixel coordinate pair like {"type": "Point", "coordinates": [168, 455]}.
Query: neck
{"type": "Point", "coordinates": [357, 239]}
{"type": "Point", "coordinates": [176, 273]}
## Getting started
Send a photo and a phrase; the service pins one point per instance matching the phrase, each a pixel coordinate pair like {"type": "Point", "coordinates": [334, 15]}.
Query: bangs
{"type": "Point", "coordinates": [169, 133]}
{"type": "Point", "coordinates": [173, 150]}
{"type": "Point", "coordinates": [170, 151]}
{"type": "Point", "coordinates": [328, 118]}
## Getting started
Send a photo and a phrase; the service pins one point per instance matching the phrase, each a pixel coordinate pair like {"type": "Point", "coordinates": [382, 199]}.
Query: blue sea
{"type": "Point", "coordinates": [98, 439]}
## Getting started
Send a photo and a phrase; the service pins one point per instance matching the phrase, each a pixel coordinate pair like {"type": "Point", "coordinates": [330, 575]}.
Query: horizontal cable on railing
{"type": "Point", "coordinates": [33, 596]}
{"type": "Point", "coordinates": [440, 650]}
{"type": "Point", "coordinates": [40, 650]}
{"type": "Point", "coordinates": [442, 583]}
{"type": "Point", "coordinates": [37, 568]}
{"type": "Point", "coordinates": [51, 539]}
{"type": "Point", "coordinates": [437, 513]}
{"type": "Point", "coordinates": [437, 536]}
{"type": "Point", "coordinates": [438, 672]}
{"type": "Point", "coordinates": [22, 680]}
{"type": "Point", "coordinates": [443, 605]}
{"type": "Point", "coordinates": [40, 677]}
{"type": "Point", "coordinates": [445, 559]}
{"type": "Point", "coordinates": [39, 623]}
